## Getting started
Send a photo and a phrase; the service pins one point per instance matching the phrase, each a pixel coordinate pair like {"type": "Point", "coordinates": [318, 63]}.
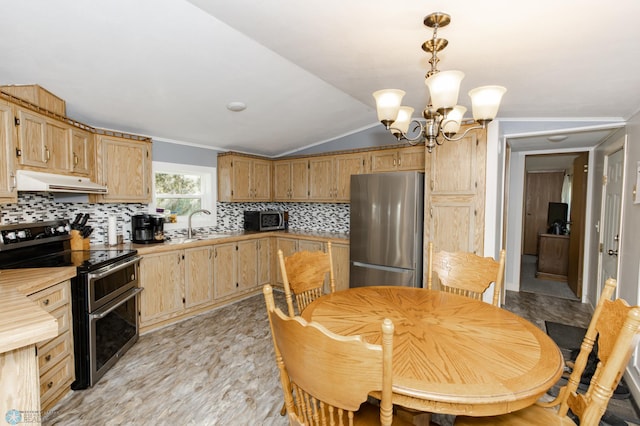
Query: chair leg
{"type": "Point", "coordinates": [283, 410]}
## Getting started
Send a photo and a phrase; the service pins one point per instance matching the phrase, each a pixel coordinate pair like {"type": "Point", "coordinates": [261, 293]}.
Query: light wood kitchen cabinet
{"type": "Point", "coordinates": [264, 261]}
{"type": "Point", "coordinates": [454, 195]}
{"type": "Point", "coordinates": [235, 267]}
{"type": "Point", "coordinates": [8, 192]}
{"type": "Point", "coordinates": [308, 245]}
{"type": "Point", "coordinates": [58, 148]}
{"type": "Point", "coordinates": [330, 176]}
{"type": "Point", "coordinates": [198, 276]}
{"type": "Point", "coordinates": [124, 167]}
{"type": "Point", "coordinates": [55, 356]}
{"type": "Point", "coordinates": [43, 142]}
{"type": "Point", "coordinates": [398, 159]}
{"type": "Point", "coordinates": [291, 180]}
{"type": "Point", "coordinates": [341, 265]}
{"type": "Point", "coordinates": [243, 178]}
{"type": "Point", "coordinates": [32, 140]}
{"type": "Point", "coordinates": [162, 277]}
{"type": "Point", "coordinates": [82, 151]}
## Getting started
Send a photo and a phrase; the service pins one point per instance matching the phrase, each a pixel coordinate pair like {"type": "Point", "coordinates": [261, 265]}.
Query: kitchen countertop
{"type": "Point", "coordinates": [22, 321]}
{"type": "Point", "coordinates": [224, 237]}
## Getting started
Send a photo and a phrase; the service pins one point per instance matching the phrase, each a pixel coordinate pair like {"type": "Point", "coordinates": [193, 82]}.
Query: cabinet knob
{"type": "Point", "coordinates": [49, 385]}
{"type": "Point", "coordinates": [47, 154]}
{"type": "Point", "coordinates": [45, 302]}
{"type": "Point", "coordinates": [47, 358]}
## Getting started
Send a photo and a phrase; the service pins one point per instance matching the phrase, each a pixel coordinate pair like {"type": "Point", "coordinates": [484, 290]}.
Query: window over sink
{"type": "Point", "coordinates": [182, 189]}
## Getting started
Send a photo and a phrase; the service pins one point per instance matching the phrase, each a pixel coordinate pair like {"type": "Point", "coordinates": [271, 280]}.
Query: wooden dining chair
{"type": "Point", "coordinates": [304, 274]}
{"type": "Point", "coordinates": [616, 327]}
{"type": "Point", "coordinates": [466, 273]}
{"type": "Point", "coordinates": [326, 378]}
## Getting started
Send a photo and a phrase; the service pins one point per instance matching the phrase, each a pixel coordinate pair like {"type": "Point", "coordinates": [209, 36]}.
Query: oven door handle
{"type": "Point", "coordinates": [101, 313]}
{"type": "Point", "coordinates": [110, 269]}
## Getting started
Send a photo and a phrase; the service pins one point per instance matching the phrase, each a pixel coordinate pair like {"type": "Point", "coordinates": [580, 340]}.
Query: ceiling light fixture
{"type": "Point", "coordinates": [236, 106]}
{"type": "Point", "coordinates": [557, 138]}
{"type": "Point", "coordinates": [442, 115]}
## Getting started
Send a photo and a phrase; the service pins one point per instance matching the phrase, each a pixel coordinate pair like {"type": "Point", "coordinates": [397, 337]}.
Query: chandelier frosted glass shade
{"type": "Point", "coordinates": [485, 102]}
{"type": "Point", "coordinates": [388, 104]}
{"type": "Point", "coordinates": [444, 87]}
{"type": "Point", "coordinates": [451, 123]}
{"type": "Point", "coordinates": [401, 124]}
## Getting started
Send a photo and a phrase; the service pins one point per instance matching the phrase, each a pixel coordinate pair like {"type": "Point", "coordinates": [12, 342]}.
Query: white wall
{"type": "Point", "coordinates": [629, 272]}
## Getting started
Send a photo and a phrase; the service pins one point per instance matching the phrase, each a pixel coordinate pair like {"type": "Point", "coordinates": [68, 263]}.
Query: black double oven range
{"type": "Point", "coordinates": [103, 292]}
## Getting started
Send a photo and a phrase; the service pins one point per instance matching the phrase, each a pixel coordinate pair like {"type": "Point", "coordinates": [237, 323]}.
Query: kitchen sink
{"type": "Point", "coordinates": [182, 240]}
{"type": "Point", "coordinates": [209, 236]}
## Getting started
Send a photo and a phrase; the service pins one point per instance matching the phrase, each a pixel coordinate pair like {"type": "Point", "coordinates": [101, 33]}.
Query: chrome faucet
{"type": "Point", "coordinates": [189, 230]}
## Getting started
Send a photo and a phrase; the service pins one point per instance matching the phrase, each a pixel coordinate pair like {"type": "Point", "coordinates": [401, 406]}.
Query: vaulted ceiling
{"type": "Point", "coordinates": [306, 69]}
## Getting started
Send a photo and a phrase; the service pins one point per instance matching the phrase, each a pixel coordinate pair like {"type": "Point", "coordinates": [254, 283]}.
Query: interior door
{"type": "Point", "coordinates": [577, 221]}
{"type": "Point", "coordinates": [611, 218]}
{"type": "Point", "coordinates": [541, 189]}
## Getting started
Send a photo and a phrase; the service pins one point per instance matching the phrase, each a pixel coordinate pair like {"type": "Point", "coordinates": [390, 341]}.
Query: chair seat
{"type": "Point", "coordinates": [533, 415]}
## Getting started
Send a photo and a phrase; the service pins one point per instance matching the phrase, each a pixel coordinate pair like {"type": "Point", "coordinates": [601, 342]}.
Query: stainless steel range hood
{"type": "Point", "coordinates": [28, 180]}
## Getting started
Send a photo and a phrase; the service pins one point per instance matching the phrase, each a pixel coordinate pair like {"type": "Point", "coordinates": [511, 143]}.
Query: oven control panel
{"type": "Point", "coordinates": [30, 232]}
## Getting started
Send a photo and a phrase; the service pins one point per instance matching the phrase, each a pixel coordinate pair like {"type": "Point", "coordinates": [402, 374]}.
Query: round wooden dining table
{"type": "Point", "coordinates": [451, 354]}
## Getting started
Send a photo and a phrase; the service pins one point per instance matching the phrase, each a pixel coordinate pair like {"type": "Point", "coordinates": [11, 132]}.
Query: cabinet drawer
{"type": "Point", "coordinates": [53, 297]}
{"type": "Point", "coordinates": [53, 351]}
{"type": "Point", "coordinates": [54, 379]}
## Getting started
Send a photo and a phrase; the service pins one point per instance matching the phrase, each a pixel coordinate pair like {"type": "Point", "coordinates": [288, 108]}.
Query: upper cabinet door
{"type": "Point", "coordinates": [124, 167]}
{"type": "Point", "coordinates": [82, 152]}
{"type": "Point", "coordinates": [321, 178]}
{"type": "Point", "coordinates": [345, 166]}
{"type": "Point", "coordinates": [261, 177]}
{"type": "Point", "coordinates": [8, 192]}
{"type": "Point", "coordinates": [32, 142]}
{"type": "Point", "coordinates": [57, 149]}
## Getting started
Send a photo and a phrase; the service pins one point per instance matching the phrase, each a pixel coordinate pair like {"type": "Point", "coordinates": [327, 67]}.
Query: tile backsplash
{"type": "Point", "coordinates": [35, 207]}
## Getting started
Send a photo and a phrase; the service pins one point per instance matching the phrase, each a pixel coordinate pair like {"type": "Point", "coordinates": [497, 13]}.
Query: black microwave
{"type": "Point", "coordinates": [266, 220]}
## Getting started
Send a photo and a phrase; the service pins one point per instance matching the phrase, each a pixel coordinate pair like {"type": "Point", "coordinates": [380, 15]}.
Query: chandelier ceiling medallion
{"type": "Point", "coordinates": [443, 116]}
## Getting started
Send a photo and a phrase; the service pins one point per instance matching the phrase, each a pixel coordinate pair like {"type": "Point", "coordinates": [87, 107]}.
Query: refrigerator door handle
{"type": "Point", "coordinates": [381, 267]}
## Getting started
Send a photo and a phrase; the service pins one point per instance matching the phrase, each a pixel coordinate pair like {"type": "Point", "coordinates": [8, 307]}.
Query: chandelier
{"type": "Point", "coordinates": [443, 117]}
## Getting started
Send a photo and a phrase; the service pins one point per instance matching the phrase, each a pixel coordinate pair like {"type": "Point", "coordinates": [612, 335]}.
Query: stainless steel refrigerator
{"type": "Point", "coordinates": [385, 234]}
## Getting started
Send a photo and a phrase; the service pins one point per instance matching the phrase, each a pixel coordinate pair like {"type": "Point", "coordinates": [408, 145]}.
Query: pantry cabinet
{"type": "Point", "coordinates": [291, 180]}
{"type": "Point", "coordinates": [242, 178]}
{"type": "Point", "coordinates": [398, 159]}
{"type": "Point", "coordinates": [124, 167]}
{"type": "Point", "coordinates": [55, 356]}
{"type": "Point", "coordinates": [454, 195]}
{"type": "Point", "coordinates": [8, 193]}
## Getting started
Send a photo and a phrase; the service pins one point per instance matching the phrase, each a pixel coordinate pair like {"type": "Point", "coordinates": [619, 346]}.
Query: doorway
{"type": "Point", "coordinates": [552, 224]}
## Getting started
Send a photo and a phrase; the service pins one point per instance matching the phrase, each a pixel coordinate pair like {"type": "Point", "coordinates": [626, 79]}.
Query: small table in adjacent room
{"type": "Point", "coordinates": [452, 354]}
{"type": "Point", "coordinates": [553, 257]}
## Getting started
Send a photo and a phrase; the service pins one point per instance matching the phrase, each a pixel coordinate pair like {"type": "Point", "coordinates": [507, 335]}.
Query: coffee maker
{"type": "Point", "coordinates": [147, 228]}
